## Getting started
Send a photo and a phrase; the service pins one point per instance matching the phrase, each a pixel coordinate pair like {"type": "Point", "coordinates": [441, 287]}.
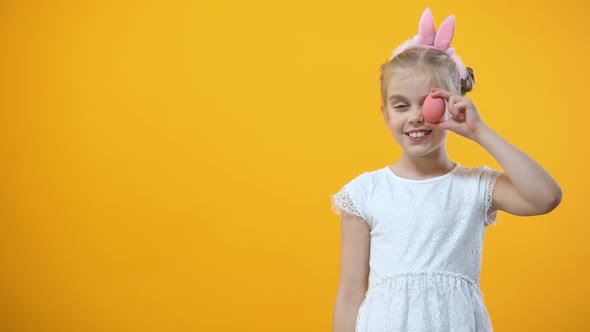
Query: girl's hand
{"type": "Point", "coordinates": [465, 119]}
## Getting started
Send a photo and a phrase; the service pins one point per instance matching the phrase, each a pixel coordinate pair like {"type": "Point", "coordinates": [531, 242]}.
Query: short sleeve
{"type": "Point", "coordinates": [487, 181]}
{"type": "Point", "coordinates": [351, 198]}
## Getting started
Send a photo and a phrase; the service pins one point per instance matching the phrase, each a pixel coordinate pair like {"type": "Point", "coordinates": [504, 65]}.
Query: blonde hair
{"type": "Point", "coordinates": [433, 61]}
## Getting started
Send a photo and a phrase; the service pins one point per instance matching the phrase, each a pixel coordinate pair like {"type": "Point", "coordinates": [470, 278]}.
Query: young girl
{"type": "Point", "coordinates": [414, 230]}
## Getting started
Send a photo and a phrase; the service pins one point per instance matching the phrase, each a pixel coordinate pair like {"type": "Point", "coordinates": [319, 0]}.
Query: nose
{"type": "Point", "coordinates": [416, 117]}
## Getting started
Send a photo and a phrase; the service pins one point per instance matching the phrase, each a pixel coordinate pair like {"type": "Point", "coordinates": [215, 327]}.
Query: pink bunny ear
{"type": "Point", "coordinates": [428, 37]}
{"type": "Point", "coordinates": [426, 29]}
{"type": "Point", "coordinates": [445, 33]}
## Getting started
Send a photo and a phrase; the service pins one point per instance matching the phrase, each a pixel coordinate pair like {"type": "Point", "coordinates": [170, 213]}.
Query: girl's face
{"type": "Point", "coordinates": [403, 113]}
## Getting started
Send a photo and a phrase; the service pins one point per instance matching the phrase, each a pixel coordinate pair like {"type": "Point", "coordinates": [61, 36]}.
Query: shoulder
{"type": "Point", "coordinates": [485, 178]}
{"type": "Point", "coordinates": [357, 181]}
{"type": "Point", "coordinates": [366, 180]}
{"type": "Point", "coordinates": [479, 173]}
{"type": "Point", "coordinates": [354, 196]}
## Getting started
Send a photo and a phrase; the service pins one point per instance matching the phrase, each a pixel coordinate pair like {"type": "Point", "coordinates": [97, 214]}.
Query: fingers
{"type": "Point", "coordinates": [459, 117]}
{"type": "Point", "coordinates": [438, 92]}
{"type": "Point", "coordinates": [452, 107]}
{"type": "Point", "coordinates": [457, 104]}
{"type": "Point", "coordinates": [442, 125]}
{"type": "Point", "coordinates": [458, 109]}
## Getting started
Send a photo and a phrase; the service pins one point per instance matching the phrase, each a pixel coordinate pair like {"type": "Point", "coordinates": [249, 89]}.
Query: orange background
{"type": "Point", "coordinates": [167, 165]}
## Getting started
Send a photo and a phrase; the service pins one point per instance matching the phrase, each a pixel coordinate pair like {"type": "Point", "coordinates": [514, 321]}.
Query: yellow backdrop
{"type": "Point", "coordinates": [167, 165]}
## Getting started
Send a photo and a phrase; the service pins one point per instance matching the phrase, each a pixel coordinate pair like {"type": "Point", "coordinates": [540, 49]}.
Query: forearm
{"type": "Point", "coordinates": [529, 178]}
{"type": "Point", "coordinates": [345, 313]}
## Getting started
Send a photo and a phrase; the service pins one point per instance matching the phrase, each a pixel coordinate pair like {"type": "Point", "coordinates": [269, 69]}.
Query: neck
{"type": "Point", "coordinates": [433, 164]}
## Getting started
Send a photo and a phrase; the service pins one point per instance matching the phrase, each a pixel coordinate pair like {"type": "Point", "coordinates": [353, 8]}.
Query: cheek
{"type": "Point", "coordinates": [397, 118]}
{"type": "Point", "coordinates": [397, 126]}
{"type": "Point", "coordinates": [442, 134]}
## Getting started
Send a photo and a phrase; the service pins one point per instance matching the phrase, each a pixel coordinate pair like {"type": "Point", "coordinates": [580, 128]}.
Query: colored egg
{"type": "Point", "coordinates": [433, 109]}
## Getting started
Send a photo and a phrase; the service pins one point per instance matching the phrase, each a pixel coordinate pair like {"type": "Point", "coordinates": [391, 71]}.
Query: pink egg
{"type": "Point", "coordinates": [433, 109]}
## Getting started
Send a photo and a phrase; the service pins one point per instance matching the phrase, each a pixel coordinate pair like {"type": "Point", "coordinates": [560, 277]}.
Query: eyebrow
{"type": "Point", "coordinates": [392, 97]}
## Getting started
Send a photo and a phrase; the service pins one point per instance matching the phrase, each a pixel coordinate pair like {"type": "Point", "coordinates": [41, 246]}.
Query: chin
{"type": "Point", "coordinates": [419, 153]}
{"type": "Point", "coordinates": [423, 150]}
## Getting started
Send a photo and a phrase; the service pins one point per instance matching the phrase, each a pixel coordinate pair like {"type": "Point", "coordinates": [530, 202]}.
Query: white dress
{"type": "Point", "coordinates": [426, 248]}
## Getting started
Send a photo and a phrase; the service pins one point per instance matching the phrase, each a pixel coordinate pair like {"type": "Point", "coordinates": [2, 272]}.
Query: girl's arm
{"type": "Point", "coordinates": [525, 188]}
{"type": "Point", "coordinates": [354, 272]}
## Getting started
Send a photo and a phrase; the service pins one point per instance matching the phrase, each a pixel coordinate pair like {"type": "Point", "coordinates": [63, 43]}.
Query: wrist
{"type": "Point", "coordinates": [481, 133]}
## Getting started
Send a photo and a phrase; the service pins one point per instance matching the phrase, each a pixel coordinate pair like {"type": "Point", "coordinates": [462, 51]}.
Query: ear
{"type": "Point", "coordinates": [445, 33]}
{"type": "Point", "coordinates": [426, 30]}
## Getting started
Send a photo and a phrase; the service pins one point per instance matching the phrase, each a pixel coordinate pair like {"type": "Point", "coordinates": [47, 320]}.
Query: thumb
{"type": "Point", "coordinates": [440, 125]}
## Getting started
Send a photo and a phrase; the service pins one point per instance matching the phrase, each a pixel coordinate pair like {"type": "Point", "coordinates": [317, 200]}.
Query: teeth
{"type": "Point", "coordinates": [417, 134]}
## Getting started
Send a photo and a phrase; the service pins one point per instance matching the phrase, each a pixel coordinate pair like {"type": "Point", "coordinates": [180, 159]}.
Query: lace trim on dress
{"type": "Point", "coordinates": [343, 201]}
{"type": "Point", "coordinates": [490, 217]}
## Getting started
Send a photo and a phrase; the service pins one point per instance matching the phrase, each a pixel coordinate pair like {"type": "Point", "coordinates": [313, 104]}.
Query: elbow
{"type": "Point", "coordinates": [352, 296]}
{"type": "Point", "coordinates": [557, 199]}
{"type": "Point", "coordinates": [352, 293]}
{"type": "Point", "coordinates": [553, 202]}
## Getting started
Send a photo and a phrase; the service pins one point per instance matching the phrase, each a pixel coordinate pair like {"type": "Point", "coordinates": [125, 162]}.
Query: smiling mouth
{"type": "Point", "coordinates": [418, 134]}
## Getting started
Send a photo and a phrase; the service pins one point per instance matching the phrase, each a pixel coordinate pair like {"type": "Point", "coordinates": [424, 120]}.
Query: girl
{"type": "Point", "coordinates": [414, 230]}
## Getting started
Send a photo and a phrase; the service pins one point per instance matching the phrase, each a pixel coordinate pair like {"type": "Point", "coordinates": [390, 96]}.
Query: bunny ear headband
{"type": "Point", "coordinates": [429, 38]}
